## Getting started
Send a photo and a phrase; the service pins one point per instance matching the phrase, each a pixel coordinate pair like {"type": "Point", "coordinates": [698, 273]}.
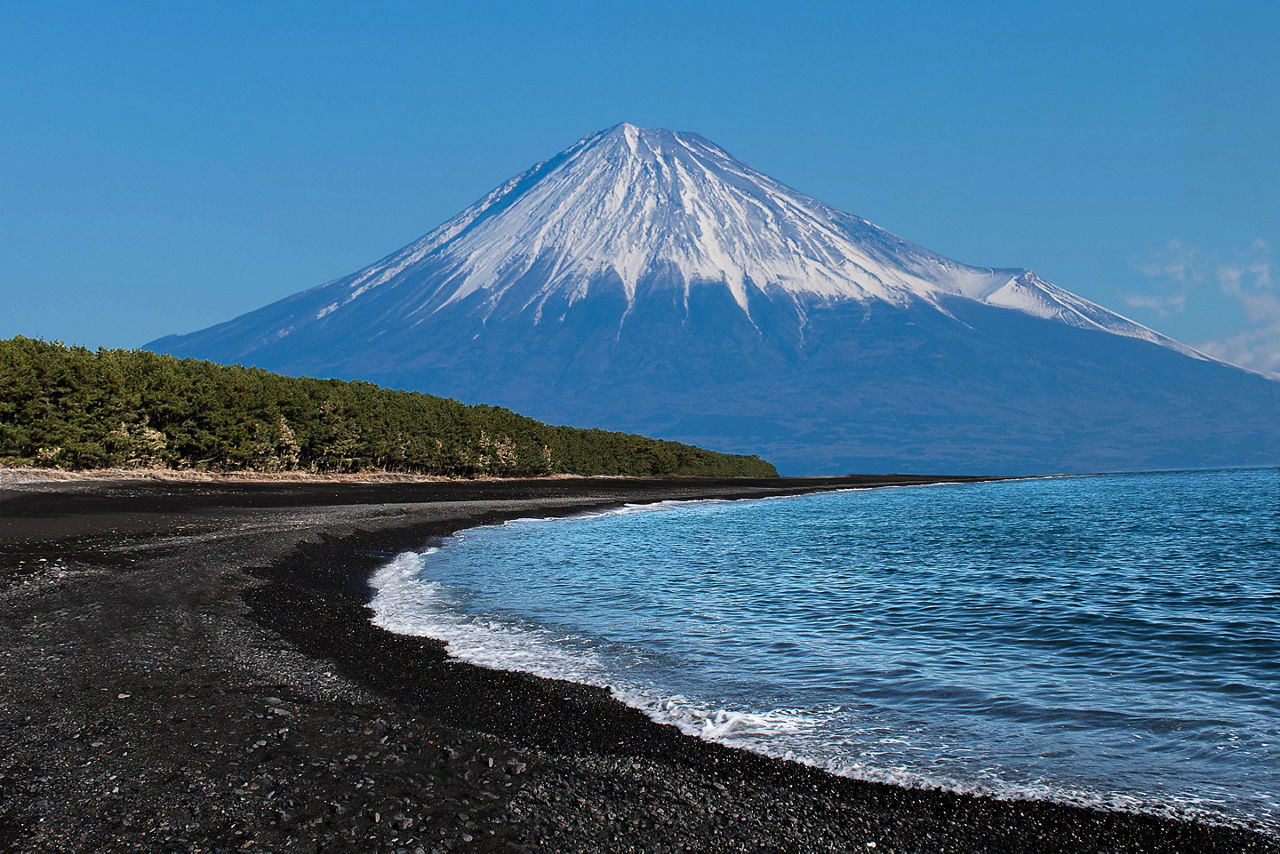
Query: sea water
{"type": "Point", "coordinates": [1107, 640]}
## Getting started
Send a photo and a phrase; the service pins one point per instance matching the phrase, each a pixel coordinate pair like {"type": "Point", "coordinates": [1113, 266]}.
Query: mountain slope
{"type": "Point", "coordinates": [647, 280]}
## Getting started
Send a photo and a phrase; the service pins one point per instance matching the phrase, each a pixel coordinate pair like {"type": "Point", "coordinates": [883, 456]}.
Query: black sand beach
{"type": "Point", "coordinates": [191, 666]}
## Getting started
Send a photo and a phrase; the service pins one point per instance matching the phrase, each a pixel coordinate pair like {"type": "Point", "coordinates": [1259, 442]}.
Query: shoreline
{"type": "Point", "coordinates": [236, 611]}
{"type": "Point", "coordinates": [1095, 800]}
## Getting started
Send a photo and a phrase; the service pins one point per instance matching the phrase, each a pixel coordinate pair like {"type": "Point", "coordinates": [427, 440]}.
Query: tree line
{"type": "Point", "coordinates": [74, 408]}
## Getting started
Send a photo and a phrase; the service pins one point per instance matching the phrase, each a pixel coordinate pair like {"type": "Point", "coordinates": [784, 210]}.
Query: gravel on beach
{"type": "Point", "coordinates": [190, 666]}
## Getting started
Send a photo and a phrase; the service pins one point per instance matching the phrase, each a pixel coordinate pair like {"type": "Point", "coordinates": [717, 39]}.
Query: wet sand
{"type": "Point", "coordinates": [191, 666]}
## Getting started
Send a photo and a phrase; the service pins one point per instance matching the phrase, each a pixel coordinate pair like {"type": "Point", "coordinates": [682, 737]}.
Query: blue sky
{"type": "Point", "coordinates": [167, 166]}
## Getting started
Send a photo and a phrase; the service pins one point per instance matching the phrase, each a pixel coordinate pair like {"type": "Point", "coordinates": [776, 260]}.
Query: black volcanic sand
{"type": "Point", "coordinates": [191, 666]}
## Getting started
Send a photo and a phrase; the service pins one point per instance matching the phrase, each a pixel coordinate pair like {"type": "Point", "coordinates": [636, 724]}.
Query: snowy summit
{"type": "Point", "coordinates": [652, 207]}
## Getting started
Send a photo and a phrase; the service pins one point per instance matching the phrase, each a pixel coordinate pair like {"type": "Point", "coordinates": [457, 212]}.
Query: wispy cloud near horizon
{"type": "Point", "coordinates": [1249, 280]}
{"type": "Point", "coordinates": [1173, 272]}
{"type": "Point", "coordinates": [1180, 269]}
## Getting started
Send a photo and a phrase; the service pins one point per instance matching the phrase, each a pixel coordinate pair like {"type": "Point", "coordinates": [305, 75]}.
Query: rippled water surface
{"type": "Point", "coordinates": [1109, 640]}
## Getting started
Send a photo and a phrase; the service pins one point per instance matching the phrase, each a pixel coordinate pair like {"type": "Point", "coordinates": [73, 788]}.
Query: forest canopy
{"type": "Point", "coordinates": [74, 408]}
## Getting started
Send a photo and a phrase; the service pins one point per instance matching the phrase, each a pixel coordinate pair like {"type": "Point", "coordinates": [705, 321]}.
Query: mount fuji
{"type": "Point", "coordinates": [646, 280]}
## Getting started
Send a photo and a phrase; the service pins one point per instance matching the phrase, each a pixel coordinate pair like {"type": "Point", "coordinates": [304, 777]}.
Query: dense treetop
{"type": "Point", "coordinates": [73, 408]}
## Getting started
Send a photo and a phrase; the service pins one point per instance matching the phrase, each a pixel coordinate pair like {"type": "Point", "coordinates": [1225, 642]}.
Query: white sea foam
{"type": "Point", "coordinates": [692, 717]}
{"type": "Point", "coordinates": [406, 603]}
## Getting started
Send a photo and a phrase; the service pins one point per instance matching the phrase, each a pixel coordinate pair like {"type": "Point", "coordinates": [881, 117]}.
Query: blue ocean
{"type": "Point", "coordinates": [1104, 640]}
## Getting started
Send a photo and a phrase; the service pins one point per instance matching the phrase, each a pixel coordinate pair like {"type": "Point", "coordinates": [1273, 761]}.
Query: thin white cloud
{"type": "Point", "coordinates": [1178, 270]}
{"type": "Point", "coordinates": [1248, 279]}
{"type": "Point", "coordinates": [1173, 272]}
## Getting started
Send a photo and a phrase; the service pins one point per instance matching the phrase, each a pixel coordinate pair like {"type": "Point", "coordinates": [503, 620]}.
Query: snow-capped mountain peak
{"type": "Point", "coordinates": [647, 280]}
{"type": "Point", "coordinates": [644, 207]}
{"type": "Point", "coordinates": [628, 202]}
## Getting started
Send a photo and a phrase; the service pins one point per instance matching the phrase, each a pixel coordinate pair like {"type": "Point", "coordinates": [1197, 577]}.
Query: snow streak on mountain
{"type": "Point", "coordinates": [648, 280]}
